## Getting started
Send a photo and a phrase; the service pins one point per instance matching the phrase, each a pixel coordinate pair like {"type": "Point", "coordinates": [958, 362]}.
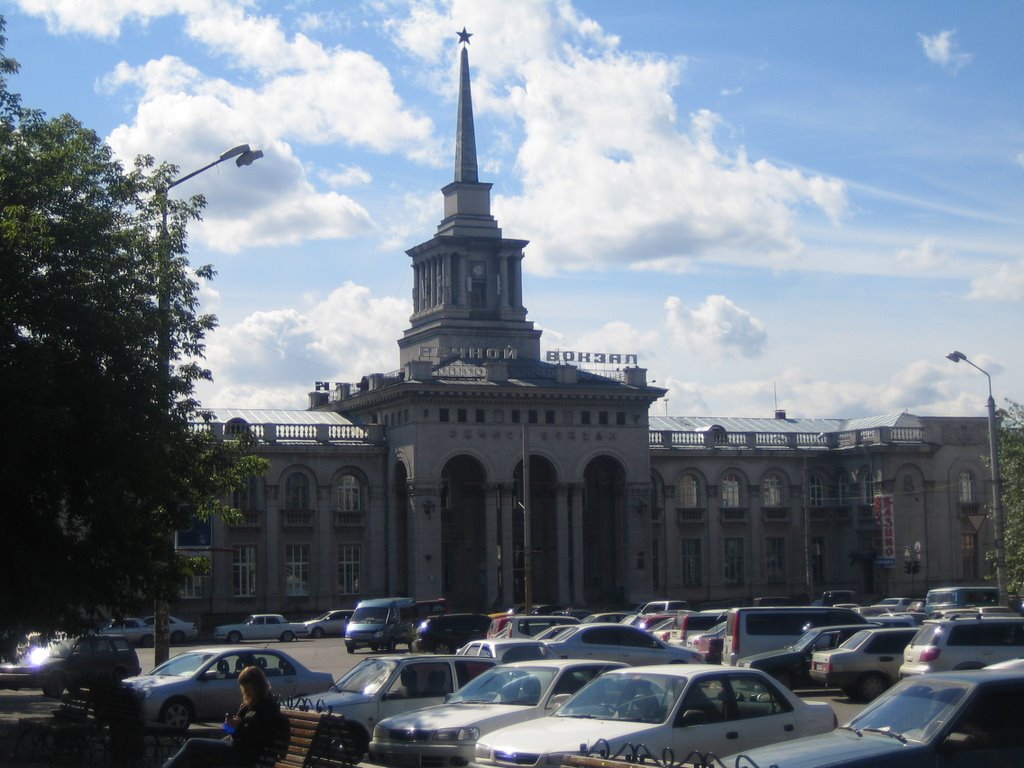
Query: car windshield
{"type": "Point", "coordinates": [502, 685]}
{"type": "Point", "coordinates": [370, 615]}
{"type": "Point", "coordinates": [805, 640]}
{"type": "Point", "coordinates": [635, 697]}
{"type": "Point", "coordinates": [366, 677]}
{"type": "Point", "coordinates": [916, 709]}
{"type": "Point", "coordinates": [183, 665]}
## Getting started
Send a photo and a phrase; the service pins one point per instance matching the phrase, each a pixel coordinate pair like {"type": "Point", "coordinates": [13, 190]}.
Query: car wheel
{"type": "Point", "coordinates": [784, 678]}
{"type": "Point", "coordinates": [54, 684]}
{"type": "Point", "coordinates": [360, 743]}
{"type": "Point", "coordinates": [350, 648]}
{"type": "Point", "coordinates": [287, 636]}
{"type": "Point", "coordinates": [317, 632]}
{"type": "Point", "coordinates": [443, 647]}
{"type": "Point", "coordinates": [146, 641]}
{"type": "Point", "coordinates": [177, 714]}
{"type": "Point", "coordinates": [391, 646]}
{"type": "Point", "coordinates": [234, 637]}
{"type": "Point", "coordinates": [177, 636]}
{"type": "Point", "coordinates": [871, 687]}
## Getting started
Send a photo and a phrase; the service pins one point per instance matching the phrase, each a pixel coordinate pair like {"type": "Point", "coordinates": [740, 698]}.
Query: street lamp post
{"type": "Point", "coordinates": [242, 155]}
{"type": "Point", "coordinates": [912, 563]}
{"type": "Point", "coordinates": [997, 501]}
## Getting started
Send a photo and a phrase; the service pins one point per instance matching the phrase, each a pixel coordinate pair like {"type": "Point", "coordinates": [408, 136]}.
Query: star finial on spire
{"type": "Point", "coordinates": [464, 36]}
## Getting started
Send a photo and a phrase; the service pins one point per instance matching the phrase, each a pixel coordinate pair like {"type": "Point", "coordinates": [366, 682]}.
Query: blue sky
{"type": "Point", "coordinates": [798, 204]}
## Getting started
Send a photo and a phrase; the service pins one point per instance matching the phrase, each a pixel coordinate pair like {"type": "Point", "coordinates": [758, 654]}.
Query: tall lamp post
{"type": "Point", "coordinates": [242, 155]}
{"type": "Point", "coordinates": [997, 501]}
{"type": "Point", "coordinates": [912, 563]}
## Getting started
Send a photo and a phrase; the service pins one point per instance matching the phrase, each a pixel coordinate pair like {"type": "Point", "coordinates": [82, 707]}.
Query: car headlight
{"type": "Point", "coordinates": [379, 734]}
{"type": "Point", "coordinates": [457, 734]}
{"type": "Point", "coordinates": [482, 752]}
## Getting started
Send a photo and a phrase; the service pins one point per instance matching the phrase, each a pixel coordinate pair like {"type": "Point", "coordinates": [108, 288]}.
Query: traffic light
{"type": "Point", "coordinates": [908, 567]}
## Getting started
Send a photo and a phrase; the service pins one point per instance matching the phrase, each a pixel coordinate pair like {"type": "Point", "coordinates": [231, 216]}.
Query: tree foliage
{"type": "Point", "coordinates": [1011, 470]}
{"type": "Point", "coordinates": [100, 446]}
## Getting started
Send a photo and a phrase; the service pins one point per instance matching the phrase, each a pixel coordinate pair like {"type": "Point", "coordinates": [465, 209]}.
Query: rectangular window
{"type": "Point", "coordinates": [243, 571]}
{"type": "Point", "coordinates": [479, 415]}
{"type": "Point", "coordinates": [462, 416]}
{"type": "Point", "coordinates": [549, 417]}
{"type": "Point", "coordinates": [515, 417]}
{"type": "Point", "coordinates": [349, 563]}
{"type": "Point", "coordinates": [584, 417]}
{"type": "Point", "coordinates": [602, 417]}
{"type": "Point", "coordinates": [775, 560]}
{"type": "Point", "coordinates": [693, 569]}
{"type": "Point", "coordinates": [296, 569]}
{"type": "Point", "coordinates": [620, 417]}
{"type": "Point", "coordinates": [194, 583]}
{"type": "Point", "coordinates": [969, 554]}
{"type": "Point", "coordinates": [531, 416]}
{"type": "Point", "coordinates": [498, 416]}
{"type": "Point", "coordinates": [733, 560]}
{"type": "Point", "coordinates": [443, 415]}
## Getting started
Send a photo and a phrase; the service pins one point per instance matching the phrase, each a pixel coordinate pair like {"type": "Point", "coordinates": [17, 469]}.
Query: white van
{"type": "Point", "coordinates": [756, 630]}
{"type": "Point", "coordinates": [945, 598]}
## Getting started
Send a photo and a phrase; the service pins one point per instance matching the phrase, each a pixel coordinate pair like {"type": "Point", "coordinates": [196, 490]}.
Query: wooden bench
{"type": "Point", "coordinates": [315, 740]}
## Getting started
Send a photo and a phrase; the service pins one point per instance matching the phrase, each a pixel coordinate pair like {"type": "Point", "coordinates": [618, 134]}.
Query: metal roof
{"type": "Point", "coordinates": [769, 424]}
{"type": "Point", "coordinates": [277, 416]}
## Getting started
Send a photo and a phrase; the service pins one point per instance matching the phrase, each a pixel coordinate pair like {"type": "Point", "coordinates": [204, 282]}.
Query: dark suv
{"type": "Point", "coordinates": [446, 633]}
{"type": "Point", "coordinates": [72, 663]}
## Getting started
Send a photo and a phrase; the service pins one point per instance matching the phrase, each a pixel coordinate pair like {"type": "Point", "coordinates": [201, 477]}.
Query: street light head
{"type": "Point", "coordinates": [248, 157]}
{"type": "Point", "coordinates": [956, 357]}
{"type": "Point", "coordinates": [234, 152]}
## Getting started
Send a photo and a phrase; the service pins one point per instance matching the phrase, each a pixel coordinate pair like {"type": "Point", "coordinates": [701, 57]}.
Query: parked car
{"type": "Point", "coordinates": [895, 604]}
{"type": "Point", "coordinates": [134, 630]}
{"type": "Point", "coordinates": [450, 631]}
{"type": "Point", "coordinates": [615, 616]}
{"type": "Point", "coordinates": [950, 719]}
{"type": "Point", "coordinates": [866, 664]}
{"type": "Point", "coordinates": [446, 734]}
{"type": "Point", "coordinates": [525, 625]}
{"type": "Point", "coordinates": [664, 606]}
{"type": "Point", "coordinates": [70, 663]}
{"type": "Point", "coordinates": [692, 623]}
{"type": "Point", "coordinates": [262, 626]}
{"type": "Point", "coordinates": [179, 629]}
{"type": "Point", "coordinates": [944, 598]}
{"type": "Point", "coordinates": [331, 623]}
{"type": "Point", "coordinates": [756, 630]}
{"type": "Point", "coordinates": [618, 642]}
{"type": "Point", "coordinates": [384, 623]}
{"type": "Point", "coordinates": [663, 707]}
{"type": "Point", "coordinates": [383, 686]}
{"type": "Point", "coordinates": [791, 665]}
{"type": "Point", "coordinates": [963, 643]}
{"type": "Point", "coordinates": [202, 684]}
{"type": "Point", "coordinates": [709, 644]}
{"type": "Point", "coordinates": [508, 650]}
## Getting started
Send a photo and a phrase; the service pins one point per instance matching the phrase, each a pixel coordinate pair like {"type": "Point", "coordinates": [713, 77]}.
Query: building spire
{"type": "Point", "coordinates": [465, 137]}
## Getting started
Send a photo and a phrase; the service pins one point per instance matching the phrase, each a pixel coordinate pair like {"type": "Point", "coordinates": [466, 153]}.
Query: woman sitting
{"type": "Point", "coordinates": [252, 729]}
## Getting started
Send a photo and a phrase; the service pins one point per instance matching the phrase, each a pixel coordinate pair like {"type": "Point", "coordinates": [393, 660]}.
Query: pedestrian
{"type": "Point", "coordinates": [252, 729]}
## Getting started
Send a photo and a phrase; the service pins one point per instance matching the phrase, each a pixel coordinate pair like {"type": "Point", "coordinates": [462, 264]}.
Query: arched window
{"type": "Point", "coordinates": [296, 491]}
{"type": "Point", "coordinates": [846, 487]}
{"type": "Point", "coordinates": [689, 492]}
{"type": "Point", "coordinates": [247, 497]}
{"type": "Point", "coordinates": [349, 494]}
{"type": "Point", "coordinates": [771, 490]}
{"type": "Point", "coordinates": [869, 488]}
{"type": "Point", "coordinates": [968, 488]}
{"type": "Point", "coordinates": [730, 493]}
{"type": "Point", "coordinates": [816, 491]}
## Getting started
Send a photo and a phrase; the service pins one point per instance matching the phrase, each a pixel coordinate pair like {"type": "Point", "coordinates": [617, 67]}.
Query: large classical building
{"type": "Point", "coordinates": [412, 482]}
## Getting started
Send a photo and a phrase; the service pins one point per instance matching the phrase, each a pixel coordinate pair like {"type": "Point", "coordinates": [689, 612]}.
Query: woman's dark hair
{"type": "Point", "coordinates": [255, 686]}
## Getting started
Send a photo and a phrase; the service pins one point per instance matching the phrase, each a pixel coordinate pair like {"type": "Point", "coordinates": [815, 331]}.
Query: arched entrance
{"type": "Point", "coordinates": [543, 533]}
{"type": "Point", "coordinates": [604, 485]}
{"type": "Point", "coordinates": [463, 525]}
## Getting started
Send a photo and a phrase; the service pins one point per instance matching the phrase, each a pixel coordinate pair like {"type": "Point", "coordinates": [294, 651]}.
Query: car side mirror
{"type": "Point", "coordinates": [694, 717]}
{"type": "Point", "coordinates": [558, 700]}
{"type": "Point", "coordinates": [957, 741]}
{"type": "Point", "coordinates": [210, 674]}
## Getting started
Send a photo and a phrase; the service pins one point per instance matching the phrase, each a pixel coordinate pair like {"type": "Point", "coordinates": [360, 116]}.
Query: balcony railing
{"type": "Point", "coordinates": [251, 518]}
{"type": "Point", "coordinates": [689, 515]}
{"type": "Point", "coordinates": [783, 440]}
{"type": "Point", "coordinates": [775, 515]}
{"type": "Point", "coordinates": [734, 515]}
{"type": "Point", "coordinates": [297, 518]}
{"type": "Point", "coordinates": [347, 519]}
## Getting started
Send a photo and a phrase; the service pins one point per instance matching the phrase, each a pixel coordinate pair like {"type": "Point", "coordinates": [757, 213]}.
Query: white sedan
{"type": "Point", "coordinates": [707, 709]}
{"type": "Point", "coordinates": [178, 629]}
{"type": "Point", "coordinates": [202, 685]}
{"type": "Point", "coordinates": [446, 734]}
{"type": "Point", "coordinates": [619, 642]}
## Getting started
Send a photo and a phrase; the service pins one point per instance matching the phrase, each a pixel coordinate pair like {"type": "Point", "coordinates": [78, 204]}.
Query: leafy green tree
{"type": "Point", "coordinates": [101, 453]}
{"type": "Point", "coordinates": [1011, 470]}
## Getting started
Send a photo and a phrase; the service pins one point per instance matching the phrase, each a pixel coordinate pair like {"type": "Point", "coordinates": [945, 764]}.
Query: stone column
{"type": "Point", "coordinates": [492, 505]}
{"type": "Point", "coordinates": [576, 511]}
{"type": "Point", "coordinates": [507, 519]}
{"type": "Point", "coordinates": [562, 547]}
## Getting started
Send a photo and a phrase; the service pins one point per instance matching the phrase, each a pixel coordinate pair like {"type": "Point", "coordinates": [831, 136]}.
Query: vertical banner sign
{"type": "Point", "coordinates": [884, 514]}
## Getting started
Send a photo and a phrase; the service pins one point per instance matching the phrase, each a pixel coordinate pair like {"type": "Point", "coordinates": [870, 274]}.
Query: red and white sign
{"type": "Point", "coordinates": [885, 515]}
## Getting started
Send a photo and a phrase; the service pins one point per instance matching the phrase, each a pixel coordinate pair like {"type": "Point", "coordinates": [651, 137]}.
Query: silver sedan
{"type": "Point", "coordinates": [202, 685]}
{"type": "Point", "coordinates": [619, 642]}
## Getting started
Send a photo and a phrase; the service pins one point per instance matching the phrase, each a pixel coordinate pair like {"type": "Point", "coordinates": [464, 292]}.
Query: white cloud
{"type": "Point", "coordinates": [1004, 282]}
{"type": "Point", "coordinates": [925, 257]}
{"type": "Point", "coordinates": [347, 176]}
{"type": "Point", "coordinates": [941, 49]}
{"type": "Point", "coordinates": [717, 326]}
